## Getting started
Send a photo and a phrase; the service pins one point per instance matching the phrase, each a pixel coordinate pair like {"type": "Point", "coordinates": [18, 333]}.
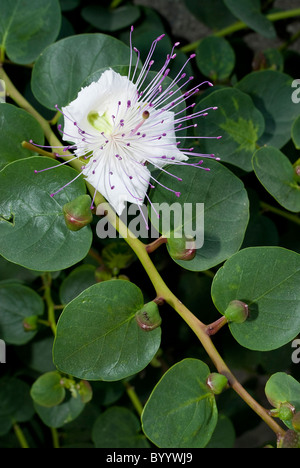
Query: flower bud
{"type": "Point", "coordinates": [297, 172]}
{"type": "Point", "coordinates": [148, 318]}
{"type": "Point", "coordinates": [291, 440]}
{"type": "Point", "coordinates": [78, 213]}
{"type": "Point", "coordinates": [296, 421]}
{"type": "Point", "coordinates": [30, 323]}
{"type": "Point", "coordinates": [182, 248]}
{"type": "Point", "coordinates": [237, 312]}
{"type": "Point", "coordinates": [217, 383]}
{"type": "Point", "coordinates": [286, 412]}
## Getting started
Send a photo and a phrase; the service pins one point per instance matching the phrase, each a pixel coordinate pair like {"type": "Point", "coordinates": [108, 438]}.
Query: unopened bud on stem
{"type": "Point", "coordinates": [30, 323]}
{"type": "Point", "coordinates": [237, 312]}
{"type": "Point", "coordinates": [182, 248]}
{"type": "Point", "coordinates": [78, 213]}
{"type": "Point", "coordinates": [217, 383]}
{"type": "Point", "coordinates": [148, 318]}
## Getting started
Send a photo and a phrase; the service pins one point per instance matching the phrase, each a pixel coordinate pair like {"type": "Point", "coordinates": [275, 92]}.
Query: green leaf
{"type": "Point", "coordinates": [61, 70]}
{"type": "Point", "coordinates": [76, 282]}
{"type": "Point", "coordinates": [119, 428]}
{"type": "Point", "coordinates": [32, 227]}
{"type": "Point", "coordinates": [205, 11]}
{"type": "Point", "coordinates": [18, 302]}
{"type": "Point", "coordinates": [25, 30]}
{"type": "Point", "coordinates": [215, 58]}
{"type": "Point", "coordinates": [276, 173]}
{"type": "Point", "coordinates": [59, 415]}
{"type": "Point", "coordinates": [283, 388]}
{"type": "Point", "coordinates": [267, 280]}
{"type": "Point", "coordinates": [181, 411]}
{"type": "Point", "coordinates": [226, 211]}
{"type": "Point", "coordinates": [249, 12]}
{"type": "Point", "coordinates": [237, 120]}
{"type": "Point", "coordinates": [98, 337]}
{"type": "Point", "coordinates": [16, 126]}
{"type": "Point", "coordinates": [47, 390]}
{"type": "Point", "coordinates": [109, 20]}
{"type": "Point", "coordinates": [279, 113]}
{"type": "Point", "coordinates": [224, 434]}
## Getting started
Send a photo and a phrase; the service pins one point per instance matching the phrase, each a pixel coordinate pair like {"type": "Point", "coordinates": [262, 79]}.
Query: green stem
{"type": "Point", "coordinates": [134, 398]}
{"type": "Point", "coordinates": [140, 249]}
{"type": "Point", "coordinates": [55, 437]}
{"type": "Point", "coordinates": [55, 118]}
{"type": "Point", "coordinates": [20, 436]}
{"type": "Point", "coordinates": [284, 214]}
{"type": "Point", "coordinates": [240, 25]}
{"type": "Point", "coordinates": [47, 281]}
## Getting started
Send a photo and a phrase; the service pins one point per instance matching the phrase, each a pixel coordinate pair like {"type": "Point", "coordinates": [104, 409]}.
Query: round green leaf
{"type": "Point", "coordinates": [267, 280]}
{"type": "Point", "coordinates": [106, 19]}
{"type": "Point", "coordinates": [18, 302]}
{"type": "Point", "coordinates": [26, 29]}
{"type": "Point", "coordinates": [237, 120]}
{"type": "Point", "coordinates": [282, 388]}
{"type": "Point", "coordinates": [59, 415]}
{"type": "Point", "coordinates": [226, 211]}
{"type": "Point", "coordinates": [119, 428]}
{"type": "Point", "coordinates": [181, 411]}
{"type": "Point", "coordinates": [16, 126]}
{"type": "Point", "coordinates": [249, 12]}
{"type": "Point", "coordinates": [98, 337]}
{"type": "Point", "coordinates": [279, 113]}
{"type": "Point", "coordinates": [32, 227]}
{"type": "Point", "coordinates": [47, 390]}
{"type": "Point", "coordinates": [215, 58]}
{"type": "Point", "coordinates": [276, 173]}
{"type": "Point", "coordinates": [61, 70]}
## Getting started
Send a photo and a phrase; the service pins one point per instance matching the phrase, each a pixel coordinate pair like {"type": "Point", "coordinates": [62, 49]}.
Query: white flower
{"type": "Point", "coordinates": [118, 126]}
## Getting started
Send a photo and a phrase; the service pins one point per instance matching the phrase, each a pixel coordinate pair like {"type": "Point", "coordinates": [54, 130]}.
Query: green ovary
{"type": "Point", "coordinates": [100, 122]}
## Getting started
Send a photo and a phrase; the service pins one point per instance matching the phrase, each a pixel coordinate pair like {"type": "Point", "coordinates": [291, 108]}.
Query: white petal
{"type": "Point", "coordinates": [125, 189]}
{"type": "Point", "coordinates": [101, 96]}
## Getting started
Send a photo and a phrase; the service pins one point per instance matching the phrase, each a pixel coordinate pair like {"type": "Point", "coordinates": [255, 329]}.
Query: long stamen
{"type": "Point", "coordinates": [62, 188]}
